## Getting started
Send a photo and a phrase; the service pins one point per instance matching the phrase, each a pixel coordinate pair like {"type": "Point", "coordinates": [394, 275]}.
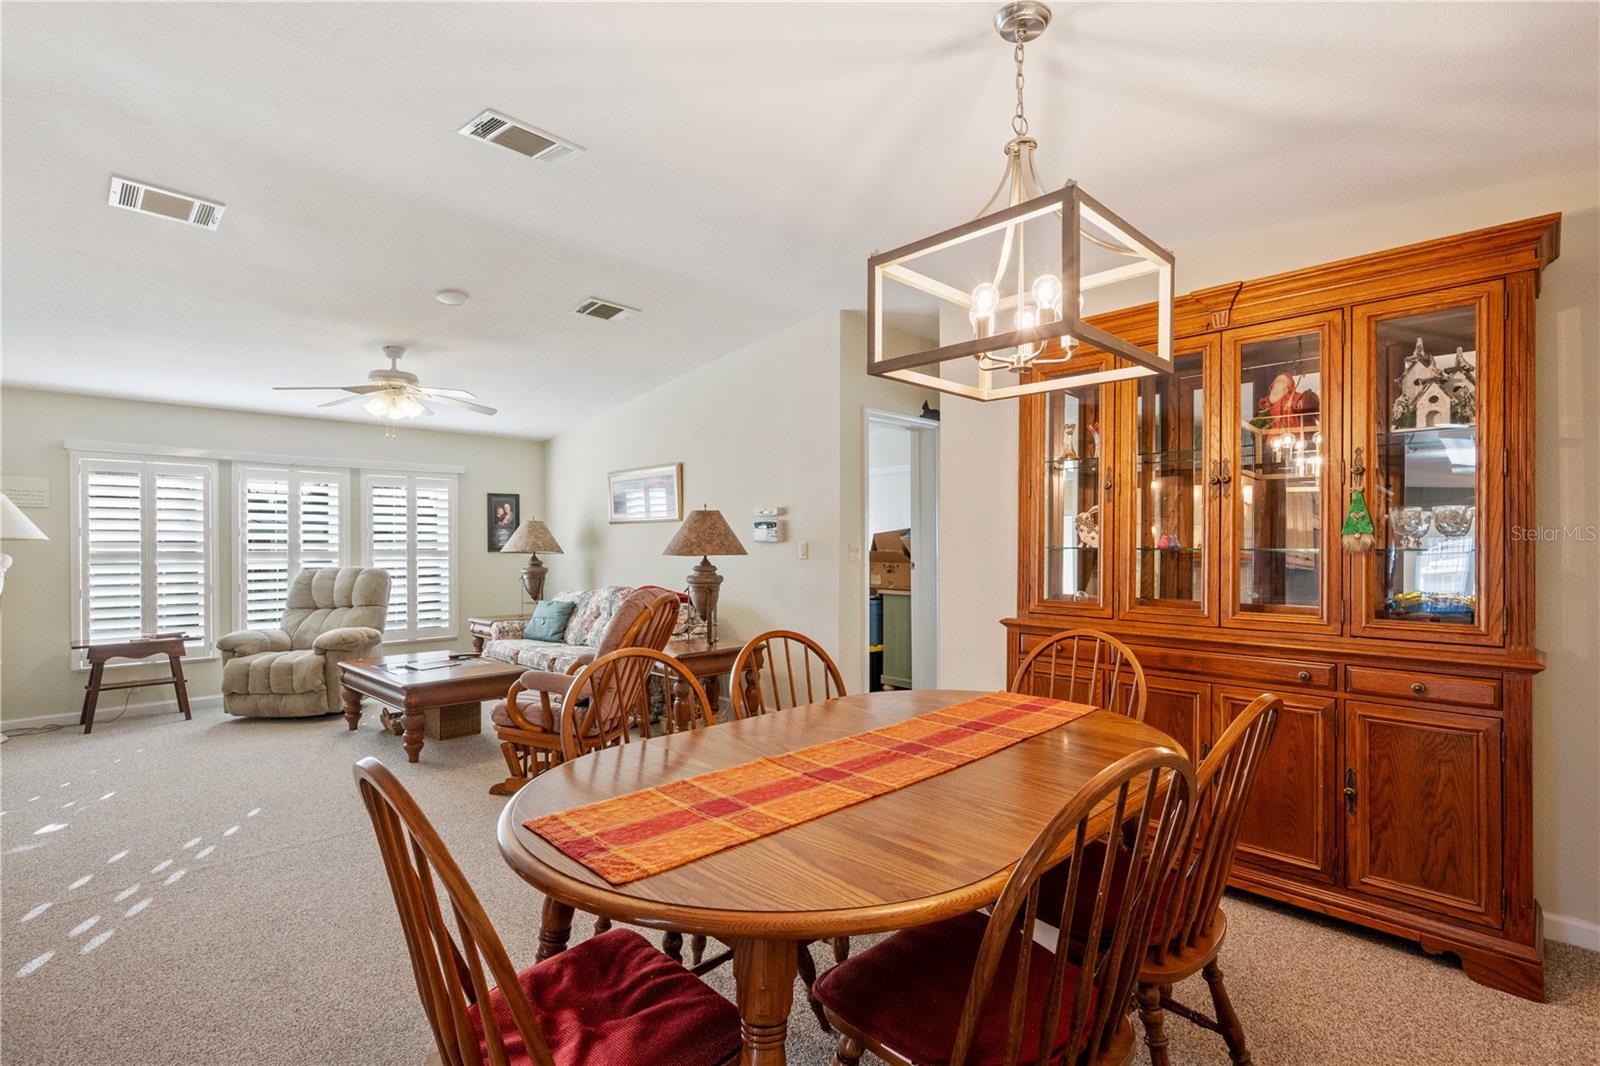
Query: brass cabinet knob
{"type": "Point", "coordinates": [1305, 675]}
{"type": "Point", "coordinates": [1418, 687]}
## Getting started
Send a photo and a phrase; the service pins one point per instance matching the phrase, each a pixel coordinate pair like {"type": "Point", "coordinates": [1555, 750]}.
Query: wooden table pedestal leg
{"type": "Point", "coordinates": [351, 699]}
{"type": "Point", "coordinates": [555, 929]}
{"type": "Point", "coordinates": [414, 721]}
{"type": "Point", "coordinates": [764, 971]}
{"type": "Point", "coordinates": [178, 683]}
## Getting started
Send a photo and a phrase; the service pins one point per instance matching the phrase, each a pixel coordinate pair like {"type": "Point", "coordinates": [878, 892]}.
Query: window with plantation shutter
{"type": "Point", "coordinates": [288, 520]}
{"type": "Point", "coordinates": [144, 549]}
{"type": "Point", "coordinates": [409, 530]}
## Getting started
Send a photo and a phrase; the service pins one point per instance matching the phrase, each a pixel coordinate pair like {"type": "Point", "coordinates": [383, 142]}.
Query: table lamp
{"type": "Point", "coordinates": [705, 533]}
{"type": "Point", "coordinates": [14, 525]}
{"type": "Point", "coordinates": [532, 536]}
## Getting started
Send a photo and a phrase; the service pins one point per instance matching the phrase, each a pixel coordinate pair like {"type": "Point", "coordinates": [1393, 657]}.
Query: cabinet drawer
{"type": "Point", "coordinates": [1298, 673]}
{"type": "Point", "coordinates": [1414, 685]}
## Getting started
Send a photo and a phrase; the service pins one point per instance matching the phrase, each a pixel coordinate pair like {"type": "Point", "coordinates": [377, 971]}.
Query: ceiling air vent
{"type": "Point", "coordinates": [604, 310]}
{"type": "Point", "coordinates": [164, 203]}
{"type": "Point", "coordinates": [507, 132]}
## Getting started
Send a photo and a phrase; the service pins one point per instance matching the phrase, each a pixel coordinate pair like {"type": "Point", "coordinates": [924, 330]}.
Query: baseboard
{"type": "Point", "coordinates": [1574, 931]}
{"type": "Point", "coordinates": [108, 710]}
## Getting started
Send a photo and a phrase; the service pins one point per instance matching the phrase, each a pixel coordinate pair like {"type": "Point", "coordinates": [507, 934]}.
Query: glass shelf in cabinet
{"type": "Point", "coordinates": [1069, 548]}
{"type": "Point", "coordinates": [1073, 464]}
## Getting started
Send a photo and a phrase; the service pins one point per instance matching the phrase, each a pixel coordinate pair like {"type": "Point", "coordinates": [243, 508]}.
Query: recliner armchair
{"type": "Point", "coordinates": [334, 613]}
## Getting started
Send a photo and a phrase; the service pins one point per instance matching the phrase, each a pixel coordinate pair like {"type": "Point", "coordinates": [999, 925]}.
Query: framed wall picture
{"type": "Point", "coordinates": [647, 494]}
{"type": "Point", "coordinates": [505, 514]}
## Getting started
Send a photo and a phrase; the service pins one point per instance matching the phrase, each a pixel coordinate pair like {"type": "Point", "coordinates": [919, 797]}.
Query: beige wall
{"type": "Point", "coordinates": [778, 423]}
{"type": "Point", "coordinates": [37, 619]}
{"type": "Point", "coordinates": [979, 441]}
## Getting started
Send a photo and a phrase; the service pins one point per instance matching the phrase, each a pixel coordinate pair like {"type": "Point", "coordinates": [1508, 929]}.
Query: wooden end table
{"type": "Point", "coordinates": [443, 689]}
{"type": "Point", "coordinates": [141, 647]}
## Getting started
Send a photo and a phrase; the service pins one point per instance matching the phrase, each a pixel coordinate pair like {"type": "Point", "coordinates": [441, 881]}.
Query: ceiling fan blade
{"type": "Point", "coordinates": [468, 404]}
{"type": "Point", "coordinates": [339, 401]}
{"type": "Point", "coordinates": [425, 408]}
{"type": "Point", "coordinates": [359, 390]}
{"type": "Point", "coordinates": [453, 394]}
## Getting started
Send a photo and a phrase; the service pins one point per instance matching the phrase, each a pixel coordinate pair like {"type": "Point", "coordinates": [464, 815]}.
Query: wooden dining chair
{"type": "Point", "coordinates": [1084, 666]}
{"type": "Point", "coordinates": [981, 989]}
{"type": "Point", "coordinates": [1188, 937]}
{"type": "Point", "coordinates": [611, 1001]}
{"type": "Point", "coordinates": [779, 669]}
{"type": "Point", "coordinates": [530, 732]}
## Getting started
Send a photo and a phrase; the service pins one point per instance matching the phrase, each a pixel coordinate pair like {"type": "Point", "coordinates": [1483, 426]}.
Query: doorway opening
{"type": "Point", "coordinates": [902, 561]}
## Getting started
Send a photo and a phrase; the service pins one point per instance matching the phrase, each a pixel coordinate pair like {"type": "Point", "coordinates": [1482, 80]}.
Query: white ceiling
{"type": "Point", "coordinates": [742, 162]}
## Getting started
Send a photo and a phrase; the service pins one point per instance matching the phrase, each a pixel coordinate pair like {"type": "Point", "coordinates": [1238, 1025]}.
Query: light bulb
{"type": "Point", "coordinates": [1027, 316]}
{"type": "Point", "coordinates": [409, 407]}
{"type": "Point", "coordinates": [985, 299]}
{"type": "Point", "coordinates": [377, 405]}
{"type": "Point", "coordinates": [1047, 292]}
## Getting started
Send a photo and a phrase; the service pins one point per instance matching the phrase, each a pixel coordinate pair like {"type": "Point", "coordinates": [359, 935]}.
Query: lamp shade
{"type": "Point", "coordinates": [532, 536]}
{"type": "Point", "coordinates": [704, 532]}
{"type": "Point", "coordinates": [14, 525]}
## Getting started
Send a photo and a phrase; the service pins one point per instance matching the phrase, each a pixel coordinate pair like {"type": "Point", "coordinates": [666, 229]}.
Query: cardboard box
{"type": "Point", "coordinates": [890, 561]}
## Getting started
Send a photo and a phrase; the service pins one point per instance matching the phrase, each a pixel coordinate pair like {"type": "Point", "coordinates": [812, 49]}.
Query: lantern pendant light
{"type": "Point", "coordinates": [1010, 283]}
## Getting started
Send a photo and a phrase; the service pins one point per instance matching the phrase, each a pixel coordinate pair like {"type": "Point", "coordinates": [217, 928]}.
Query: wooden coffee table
{"type": "Point", "coordinates": [425, 686]}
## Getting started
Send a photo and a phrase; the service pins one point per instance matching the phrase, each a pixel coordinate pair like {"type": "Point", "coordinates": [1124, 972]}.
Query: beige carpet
{"type": "Point", "coordinates": [209, 892]}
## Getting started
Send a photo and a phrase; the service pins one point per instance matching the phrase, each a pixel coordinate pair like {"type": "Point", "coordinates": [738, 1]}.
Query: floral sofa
{"type": "Point", "coordinates": [593, 613]}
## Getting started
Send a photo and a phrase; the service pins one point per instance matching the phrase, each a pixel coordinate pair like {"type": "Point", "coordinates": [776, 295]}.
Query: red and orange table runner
{"type": "Point", "coordinates": [653, 830]}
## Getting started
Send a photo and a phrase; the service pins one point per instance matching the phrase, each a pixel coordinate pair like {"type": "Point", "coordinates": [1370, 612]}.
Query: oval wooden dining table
{"type": "Point", "coordinates": [938, 848]}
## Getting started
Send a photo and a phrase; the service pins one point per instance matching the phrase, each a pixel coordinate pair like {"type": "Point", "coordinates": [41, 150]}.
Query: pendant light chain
{"type": "Point", "coordinates": [1019, 121]}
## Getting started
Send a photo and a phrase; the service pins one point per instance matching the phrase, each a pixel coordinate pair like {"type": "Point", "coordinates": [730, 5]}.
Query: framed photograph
{"type": "Point", "coordinates": [505, 515]}
{"type": "Point", "coordinates": [647, 494]}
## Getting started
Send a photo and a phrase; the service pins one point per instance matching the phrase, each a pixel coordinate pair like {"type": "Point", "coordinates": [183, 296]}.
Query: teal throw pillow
{"type": "Point", "coordinates": [549, 621]}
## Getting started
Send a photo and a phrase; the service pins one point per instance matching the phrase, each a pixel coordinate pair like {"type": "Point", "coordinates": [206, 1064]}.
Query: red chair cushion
{"type": "Point", "coordinates": [1053, 892]}
{"type": "Point", "coordinates": [614, 1000]}
{"type": "Point", "coordinates": [907, 993]}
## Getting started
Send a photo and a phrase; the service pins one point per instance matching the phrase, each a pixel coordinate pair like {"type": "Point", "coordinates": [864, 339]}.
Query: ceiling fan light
{"type": "Point", "coordinates": [406, 407]}
{"type": "Point", "coordinates": [377, 405]}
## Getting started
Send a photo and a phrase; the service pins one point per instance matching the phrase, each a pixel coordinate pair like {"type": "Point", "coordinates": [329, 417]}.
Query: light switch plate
{"type": "Point", "coordinates": [805, 549]}
{"type": "Point", "coordinates": [854, 555]}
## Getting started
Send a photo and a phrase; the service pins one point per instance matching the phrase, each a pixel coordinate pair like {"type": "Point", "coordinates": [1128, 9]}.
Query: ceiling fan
{"type": "Point", "coordinates": [394, 394]}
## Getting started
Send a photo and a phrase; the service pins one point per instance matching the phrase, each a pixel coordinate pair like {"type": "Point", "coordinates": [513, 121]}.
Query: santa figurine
{"type": "Point", "coordinates": [1285, 402]}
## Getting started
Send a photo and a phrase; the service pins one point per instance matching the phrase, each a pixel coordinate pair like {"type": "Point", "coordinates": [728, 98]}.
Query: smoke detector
{"type": "Point", "coordinates": [164, 203]}
{"type": "Point", "coordinates": [493, 127]}
{"type": "Point", "coordinates": [605, 310]}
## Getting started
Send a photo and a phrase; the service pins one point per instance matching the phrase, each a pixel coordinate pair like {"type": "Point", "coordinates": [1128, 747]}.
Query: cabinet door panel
{"type": "Point", "coordinates": [1279, 440]}
{"type": "Point", "coordinates": [1181, 709]}
{"type": "Point", "coordinates": [1169, 521]}
{"type": "Point", "coordinates": [1426, 403]}
{"type": "Point", "coordinates": [1289, 822]}
{"type": "Point", "coordinates": [1423, 826]}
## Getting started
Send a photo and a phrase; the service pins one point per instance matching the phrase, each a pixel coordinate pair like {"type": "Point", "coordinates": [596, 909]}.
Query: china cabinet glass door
{"type": "Point", "coordinates": [1275, 477]}
{"type": "Point", "coordinates": [1076, 479]}
{"type": "Point", "coordinates": [1167, 573]}
{"type": "Point", "coordinates": [1428, 425]}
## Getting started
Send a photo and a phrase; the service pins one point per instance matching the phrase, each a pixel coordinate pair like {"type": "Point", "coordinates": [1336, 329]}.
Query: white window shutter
{"type": "Point", "coordinates": [410, 532]}
{"type": "Point", "coordinates": [112, 524]}
{"type": "Point", "coordinates": [288, 520]}
{"type": "Point", "coordinates": [145, 546]}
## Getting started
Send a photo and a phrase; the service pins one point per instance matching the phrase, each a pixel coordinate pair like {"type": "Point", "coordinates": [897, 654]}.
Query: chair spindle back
{"type": "Point", "coordinates": [780, 669]}
{"type": "Point", "coordinates": [453, 971]}
{"type": "Point", "coordinates": [1224, 784]}
{"type": "Point", "coordinates": [1143, 802]}
{"type": "Point", "coordinates": [1085, 666]}
{"type": "Point", "coordinates": [599, 705]}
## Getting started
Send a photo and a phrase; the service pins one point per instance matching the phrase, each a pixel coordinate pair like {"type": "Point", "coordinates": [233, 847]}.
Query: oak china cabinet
{"type": "Point", "coordinates": [1198, 516]}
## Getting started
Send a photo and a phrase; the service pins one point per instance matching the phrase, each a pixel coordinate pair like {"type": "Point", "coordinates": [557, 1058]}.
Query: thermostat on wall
{"type": "Point", "coordinates": [768, 531]}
